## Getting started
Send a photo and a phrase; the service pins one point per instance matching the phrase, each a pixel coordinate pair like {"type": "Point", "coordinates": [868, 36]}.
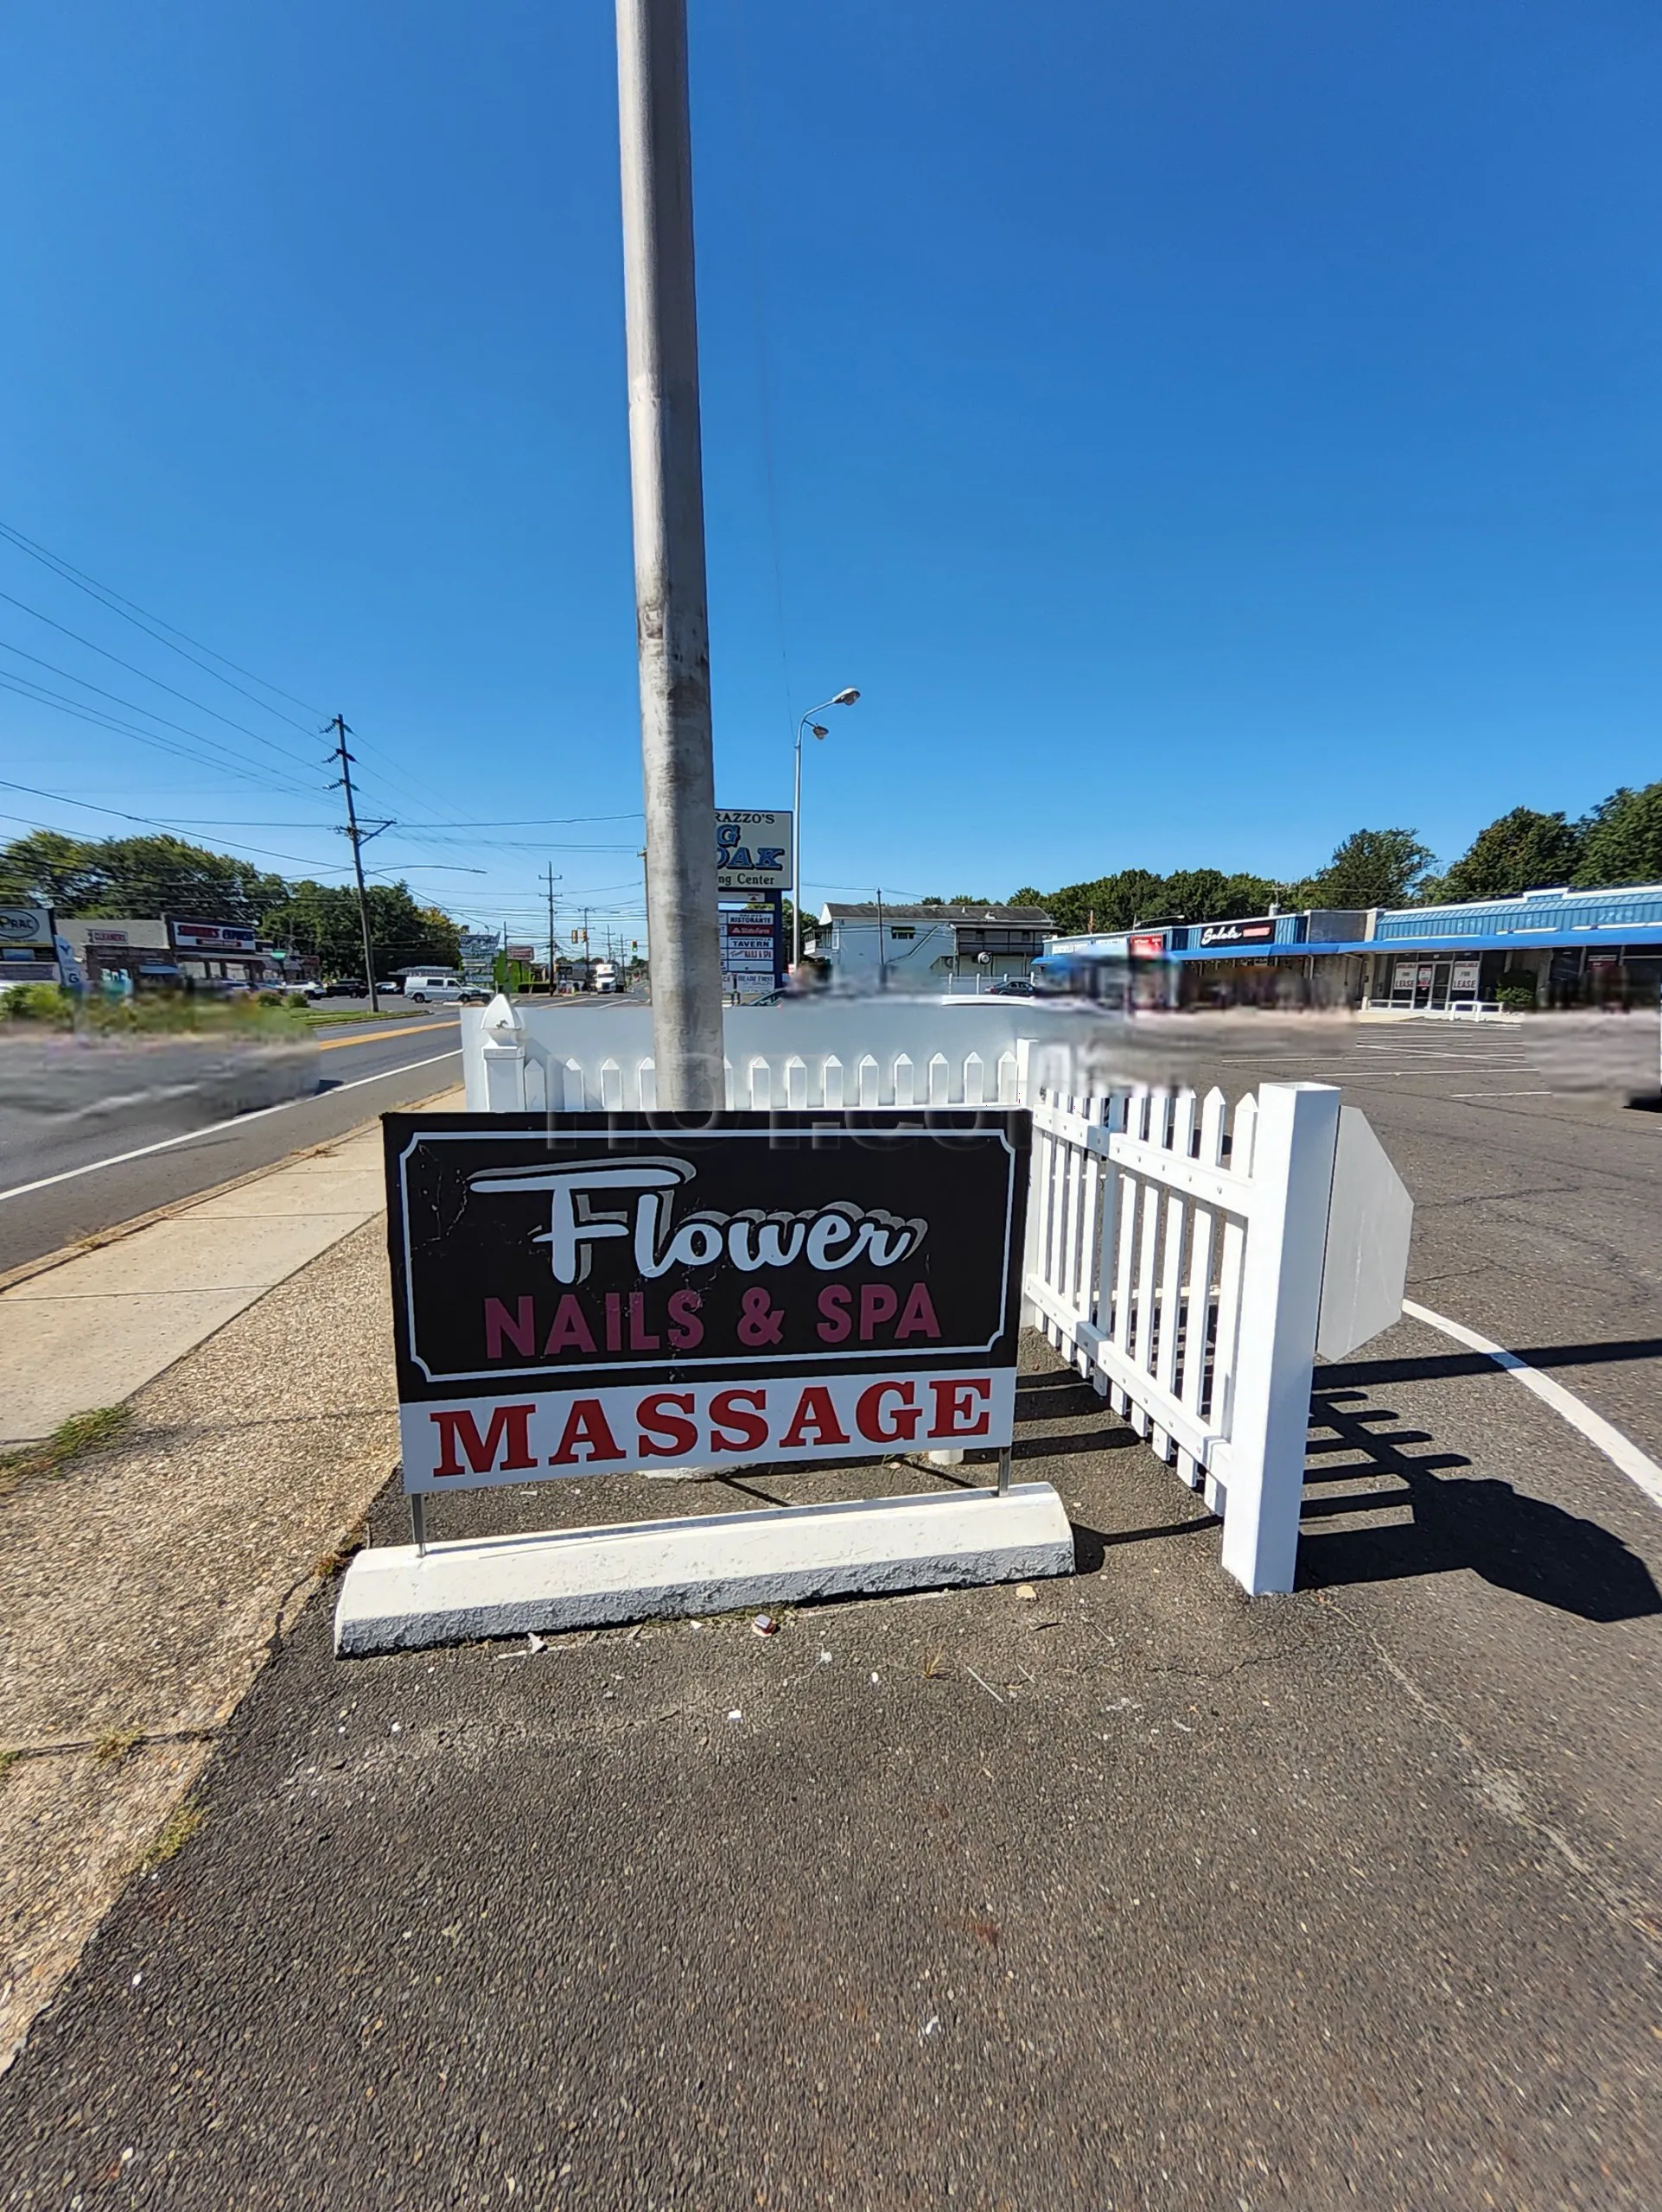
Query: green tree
{"type": "Point", "coordinates": [1114, 902]}
{"type": "Point", "coordinates": [1197, 893]}
{"type": "Point", "coordinates": [1621, 839]}
{"type": "Point", "coordinates": [321, 918]}
{"type": "Point", "coordinates": [1244, 895]}
{"type": "Point", "coordinates": [46, 868]}
{"type": "Point", "coordinates": [1108, 902]}
{"type": "Point", "coordinates": [1371, 868]}
{"type": "Point", "coordinates": [1523, 850]}
{"type": "Point", "coordinates": [1205, 894]}
{"type": "Point", "coordinates": [442, 941]}
{"type": "Point", "coordinates": [137, 876]}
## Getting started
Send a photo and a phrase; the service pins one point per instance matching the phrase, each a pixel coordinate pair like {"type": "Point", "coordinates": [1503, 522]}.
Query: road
{"type": "Point", "coordinates": [361, 1073]}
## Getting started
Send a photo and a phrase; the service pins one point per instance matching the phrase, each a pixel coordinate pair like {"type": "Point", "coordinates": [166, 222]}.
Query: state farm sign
{"type": "Point", "coordinates": [615, 1290]}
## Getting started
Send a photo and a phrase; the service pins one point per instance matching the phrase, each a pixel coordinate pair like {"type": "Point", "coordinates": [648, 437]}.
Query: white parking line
{"type": "Point", "coordinates": [1501, 1094]}
{"type": "Point", "coordinates": [1619, 1450]}
{"type": "Point", "coordinates": [236, 1122]}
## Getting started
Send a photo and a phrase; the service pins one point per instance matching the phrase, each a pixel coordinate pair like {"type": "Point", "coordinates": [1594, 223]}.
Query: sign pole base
{"type": "Point", "coordinates": [399, 1599]}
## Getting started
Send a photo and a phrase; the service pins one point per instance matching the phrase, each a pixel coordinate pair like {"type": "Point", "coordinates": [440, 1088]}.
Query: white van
{"type": "Point", "coordinates": [439, 988]}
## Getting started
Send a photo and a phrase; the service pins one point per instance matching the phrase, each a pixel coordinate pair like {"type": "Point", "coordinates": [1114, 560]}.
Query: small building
{"type": "Point", "coordinates": [875, 946]}
{"type": "Point", "coordinates": [135, 948]}
{"type": "Point", "coordinates": [150, 951]}
{"type": "Point", "coordinates": [28, 945]}
{"type": "Point", "coordinates": [225, 952]}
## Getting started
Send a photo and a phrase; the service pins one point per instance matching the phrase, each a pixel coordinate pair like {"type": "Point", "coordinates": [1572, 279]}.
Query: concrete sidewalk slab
{"type": "Point", "coordinates": [348, 1191]}
{"type": "Point", "coordinates": [192, 1253]}
{"type": "Point", "coordinates": [98, 1325]}
{"type": "Point", "coordinates": [43, 1376]}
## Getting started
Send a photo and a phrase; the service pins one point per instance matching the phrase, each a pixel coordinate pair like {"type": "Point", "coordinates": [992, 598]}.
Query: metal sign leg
{"type": "Point", "coordinates": [1004, 1471]}
{"type": "Point", "coordinates": [418, 1521]}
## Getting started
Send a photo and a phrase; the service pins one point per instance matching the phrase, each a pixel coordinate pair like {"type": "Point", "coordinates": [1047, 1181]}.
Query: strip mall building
{"type": "Point", "coordinates": [1573, 947]}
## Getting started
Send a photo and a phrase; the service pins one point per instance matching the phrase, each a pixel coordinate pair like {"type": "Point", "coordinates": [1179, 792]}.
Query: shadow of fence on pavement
{"type": "Point", "coordinates": [1514, 1541]}
{"type": "Point", "coordinates": [1440, 1366]}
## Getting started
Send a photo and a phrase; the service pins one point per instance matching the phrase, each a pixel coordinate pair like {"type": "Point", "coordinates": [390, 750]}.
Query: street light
{"type": "Point", "coordinates": [841, 699]}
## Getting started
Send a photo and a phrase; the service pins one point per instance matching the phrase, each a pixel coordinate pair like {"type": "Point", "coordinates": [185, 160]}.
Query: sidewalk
{"type": "Point", "coordinates": [89, 1332]}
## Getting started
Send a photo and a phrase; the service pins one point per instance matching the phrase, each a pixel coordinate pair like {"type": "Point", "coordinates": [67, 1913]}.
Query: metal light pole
{"type": "Point", "coordinates": [671, 616]}
{"type": "Point", "coordinates": [842, 699]}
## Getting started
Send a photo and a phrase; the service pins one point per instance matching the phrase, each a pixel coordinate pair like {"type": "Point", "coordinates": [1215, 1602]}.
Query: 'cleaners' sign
{"type": "Point", "coordinates": [611, 1292]}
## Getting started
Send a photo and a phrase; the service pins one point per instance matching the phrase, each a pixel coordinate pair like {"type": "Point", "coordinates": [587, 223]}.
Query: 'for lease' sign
{"type": "Point", "coordinates": [615, 1290]}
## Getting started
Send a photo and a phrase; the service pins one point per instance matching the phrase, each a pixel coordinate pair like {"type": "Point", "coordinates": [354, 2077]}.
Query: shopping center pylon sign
{"type": "Point", "coordinates": [607, 1292]}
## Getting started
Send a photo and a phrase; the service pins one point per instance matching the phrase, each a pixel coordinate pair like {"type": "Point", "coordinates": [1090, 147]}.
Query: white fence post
{"type": "Point", "coordinates": [1191, 1289]}
{"type": "Point", "coordinates": [503, 1067]}
{"type": "Point", "coordinates": [1281, 1298]}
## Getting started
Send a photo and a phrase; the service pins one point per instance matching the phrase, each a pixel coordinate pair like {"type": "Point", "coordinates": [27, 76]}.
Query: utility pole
{"type": "Point", "coordinates": [671, 613]}
{"type": "Point", "coordinates": [883, 963]}
{"type": "Point", "coordinates": [358, 837]}
{"type": "Point", "coordinates": [552, 948]}
{"type": "Point", "coordinates": [645, 895]}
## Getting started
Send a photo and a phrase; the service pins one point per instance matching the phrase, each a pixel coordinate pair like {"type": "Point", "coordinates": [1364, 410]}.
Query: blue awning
{"type": "Point", "coordinates": [1647, 937]}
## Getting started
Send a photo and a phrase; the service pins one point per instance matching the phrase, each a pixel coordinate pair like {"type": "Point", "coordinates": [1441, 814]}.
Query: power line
{"type": "Point", "coordinates": [519, 822]}
{"type": "Point", "coordinates": [130, 611]}
{"type": "Point", "coordinates": [147, 821]}
{"type": "Point", "coordinates": [41, 695]}
{"type": "Point", "coordinates": [133, 669]}
{"type": "Point", "coordinates": [132, 705]}
{"type": "Point", "coordinates": [544, 821]}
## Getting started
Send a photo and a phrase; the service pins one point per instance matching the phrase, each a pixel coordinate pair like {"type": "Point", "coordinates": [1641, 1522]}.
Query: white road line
{"type": "Point", "coordinates": [1619, 1450]}
{"type": "Point", "coordinates": [236, 1122]}
{"type": "Point", "coordinates": [1500, 1094]}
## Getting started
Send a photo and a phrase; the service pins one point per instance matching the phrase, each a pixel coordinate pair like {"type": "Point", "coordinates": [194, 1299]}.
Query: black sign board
{"type": "Point", "coordinates": [1261, 932]}
{"type": "Point", "coordinates": [605, 1291]}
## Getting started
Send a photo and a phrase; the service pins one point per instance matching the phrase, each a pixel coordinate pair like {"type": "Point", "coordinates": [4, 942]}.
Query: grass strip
{"type": "Point", "coordinates": [56, 1454]}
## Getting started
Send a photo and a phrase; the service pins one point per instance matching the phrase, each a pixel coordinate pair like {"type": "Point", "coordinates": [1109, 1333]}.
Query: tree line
{"type": "Point", "coordinates": [1619, 841]}
{"type": "Point", "coordinates": [84, 877]}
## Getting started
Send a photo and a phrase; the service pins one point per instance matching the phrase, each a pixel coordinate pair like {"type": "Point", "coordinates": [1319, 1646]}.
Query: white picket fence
{"type": "Point", "coordinates": [1186, 1260]}
{"type": "Point", "coordinates": [1175, 1254]}
{"type": "Point", "coordinates": [900, 1050]}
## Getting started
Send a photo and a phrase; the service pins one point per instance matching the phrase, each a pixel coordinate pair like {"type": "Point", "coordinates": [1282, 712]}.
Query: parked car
{"type": "Point", "coordinates": [346, 987]}
{"type": "Point", "coordinates": [475, 995]}
{"type": "Point", "coordinates": [392, 988]}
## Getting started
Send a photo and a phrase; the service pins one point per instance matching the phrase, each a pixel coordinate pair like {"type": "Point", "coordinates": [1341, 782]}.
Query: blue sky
{"type": "Point", "coordinates": [1197, 429]}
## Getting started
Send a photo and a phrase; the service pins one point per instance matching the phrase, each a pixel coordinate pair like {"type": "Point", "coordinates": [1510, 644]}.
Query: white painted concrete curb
{"type": "Point", "coordinates": [394, 1599]}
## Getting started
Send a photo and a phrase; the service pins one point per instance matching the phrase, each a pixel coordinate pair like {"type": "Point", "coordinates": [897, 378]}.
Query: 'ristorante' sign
{"type": "Point", "coordinates": [612, 1290]}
